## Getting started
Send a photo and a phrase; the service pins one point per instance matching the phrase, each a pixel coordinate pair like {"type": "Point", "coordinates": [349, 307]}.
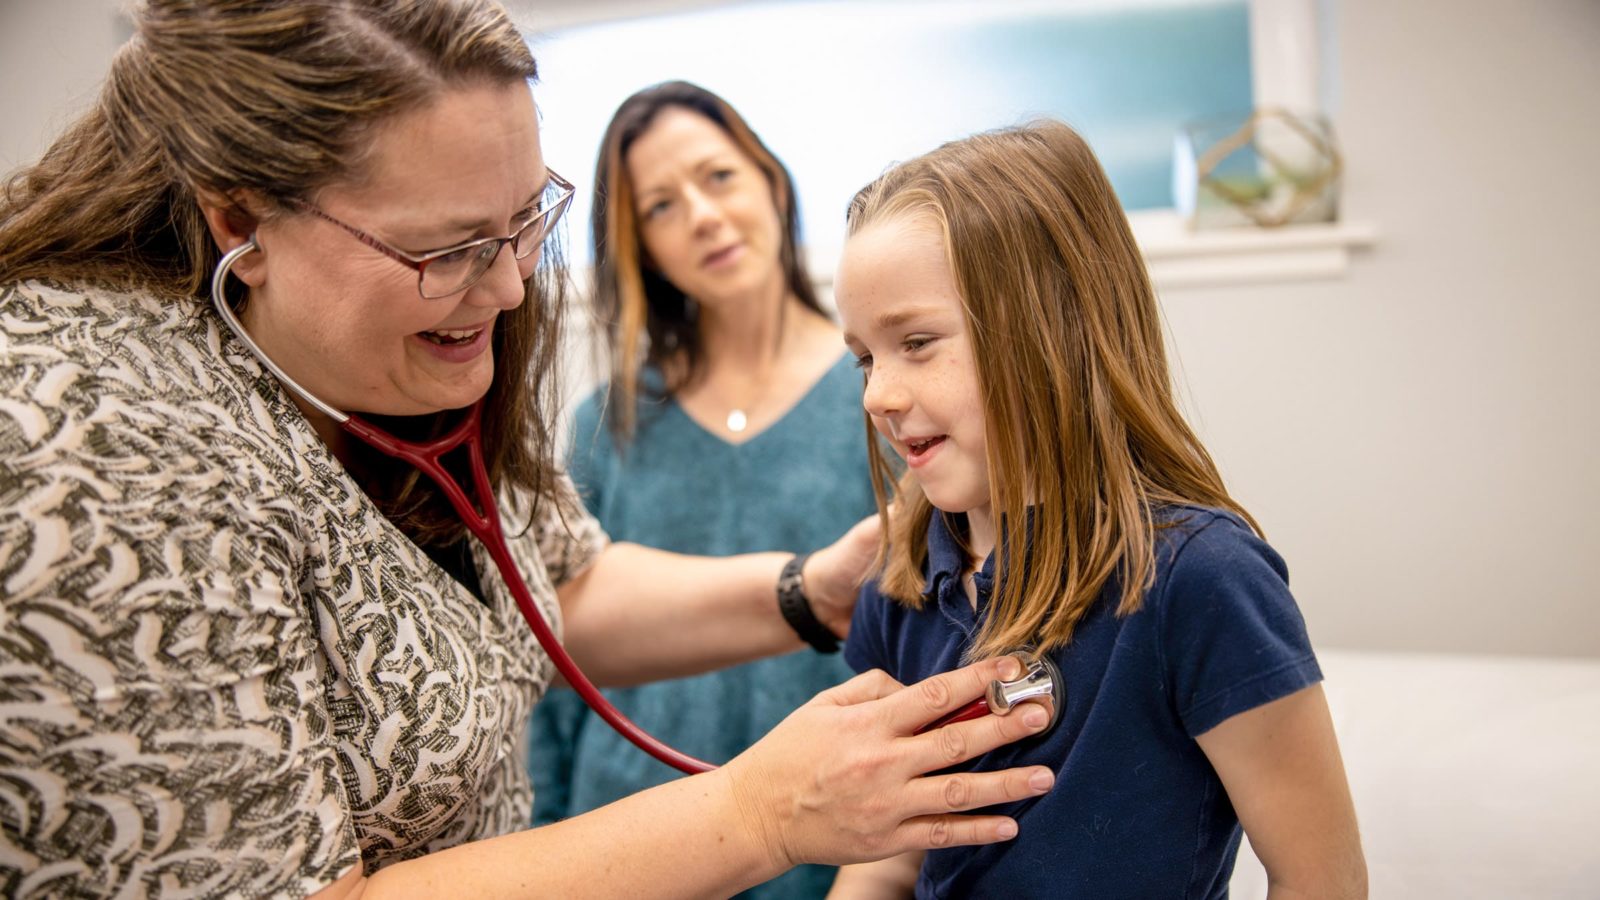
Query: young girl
{"type": "Point", "coordinates": [1055, 499]}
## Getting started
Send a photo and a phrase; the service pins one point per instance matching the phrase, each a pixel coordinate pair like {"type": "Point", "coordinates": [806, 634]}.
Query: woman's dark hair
{"type": "Point", "coordinates": [648, 321]}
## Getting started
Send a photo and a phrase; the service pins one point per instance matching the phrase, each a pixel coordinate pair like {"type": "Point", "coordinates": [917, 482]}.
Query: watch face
{"type": "Point", "coordinates": [789, 579]}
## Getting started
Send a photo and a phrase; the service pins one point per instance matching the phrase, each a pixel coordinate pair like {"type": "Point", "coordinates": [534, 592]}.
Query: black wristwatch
{"type": "Point", "coordinates": [796, 608]}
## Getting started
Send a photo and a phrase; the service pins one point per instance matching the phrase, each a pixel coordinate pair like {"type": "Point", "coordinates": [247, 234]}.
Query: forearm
{"type": "Point", "coordinates": [887, 879]}
{"type": "Point", "coordinates": [682, 839]}
{"type": "Point", "coordinates": [1339, 872]}
{"type": "Point", "coordinates": [1276, 891]}
{"type": "Point", "coordinates": [823, 786]}
{"type": "Point", "coordinates": [638, 614]}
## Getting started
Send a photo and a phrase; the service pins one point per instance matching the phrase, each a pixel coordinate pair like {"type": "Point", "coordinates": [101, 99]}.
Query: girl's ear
{"type": "Point", "coordinates": [231, 222]}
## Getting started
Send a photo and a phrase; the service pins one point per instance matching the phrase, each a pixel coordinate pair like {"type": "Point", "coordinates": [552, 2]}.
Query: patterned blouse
{"type": "Point", "coordinates": [223, 672]}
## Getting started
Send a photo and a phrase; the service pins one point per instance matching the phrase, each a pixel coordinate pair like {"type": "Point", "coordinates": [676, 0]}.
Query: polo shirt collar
{"type": "Point", "coordinates": [947, 559]}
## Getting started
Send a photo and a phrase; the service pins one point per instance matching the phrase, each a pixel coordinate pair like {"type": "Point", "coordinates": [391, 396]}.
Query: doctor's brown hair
{"type": "Point", "coordinates": [1084, 437]}
{"type": "Point", "coordinates": [263, 103]}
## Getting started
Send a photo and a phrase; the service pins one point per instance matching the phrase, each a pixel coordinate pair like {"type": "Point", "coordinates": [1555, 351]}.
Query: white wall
{"type": "Point", "coordinates": [1419, 438]}
{"type": "Point", "coordinates": [53, 56]}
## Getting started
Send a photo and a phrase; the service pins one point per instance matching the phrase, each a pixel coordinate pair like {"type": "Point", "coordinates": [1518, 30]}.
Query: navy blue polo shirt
{"type": "Point", "coordinates": [1137, 810]}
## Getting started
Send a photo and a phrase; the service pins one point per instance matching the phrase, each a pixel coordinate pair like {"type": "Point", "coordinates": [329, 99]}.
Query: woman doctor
{"type": "Point", "coordinates": [243, 655]}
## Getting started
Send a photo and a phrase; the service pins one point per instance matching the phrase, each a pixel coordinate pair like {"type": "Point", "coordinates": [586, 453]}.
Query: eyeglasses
{"type": "Point", "coordinates": [441, 273]}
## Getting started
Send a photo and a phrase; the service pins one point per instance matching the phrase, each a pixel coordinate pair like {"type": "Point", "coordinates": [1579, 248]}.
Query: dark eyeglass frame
{"type": "Point", "coordinates": [542, 223]}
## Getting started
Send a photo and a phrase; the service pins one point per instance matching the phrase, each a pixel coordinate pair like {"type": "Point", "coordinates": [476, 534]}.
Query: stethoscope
{"type": "Point", "coordinates": [1040, 680]}
{"type": "Point", "coordinates": [484, 523]}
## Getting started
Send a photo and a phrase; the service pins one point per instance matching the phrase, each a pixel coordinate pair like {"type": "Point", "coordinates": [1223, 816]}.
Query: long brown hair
{"type": "Point", "coordinates": [648, 321]}
{"type": "Point", "coordinates": [277, 98]}
{"type": "Point", "coordinates": [1085, 441]}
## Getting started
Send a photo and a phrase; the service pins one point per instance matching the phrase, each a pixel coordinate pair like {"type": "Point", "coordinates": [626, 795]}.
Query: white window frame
{"type": "Point", "coordinates": [1287, 70]}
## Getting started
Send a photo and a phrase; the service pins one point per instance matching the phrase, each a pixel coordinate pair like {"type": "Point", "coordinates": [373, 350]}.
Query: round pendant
{"type": "Point", "coordinates": [737, 421]}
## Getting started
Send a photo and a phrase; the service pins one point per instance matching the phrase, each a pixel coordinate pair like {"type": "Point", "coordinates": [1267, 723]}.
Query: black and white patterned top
{"type": "Point", "coordinates": [223, 672]}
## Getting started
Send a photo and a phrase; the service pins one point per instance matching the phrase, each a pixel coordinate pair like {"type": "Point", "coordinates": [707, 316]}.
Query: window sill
{"type": "Point", "coordinates": [1180, 258]}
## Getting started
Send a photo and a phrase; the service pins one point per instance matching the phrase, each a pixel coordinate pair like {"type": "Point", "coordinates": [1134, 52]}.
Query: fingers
{"type": "Point", "coordinates": [935, 832]}
{"type": "Point", "coordinates": [931, 698]}
{"type": "Point", "coordinates": [939, 794]}
{"type": "Point", "coordinates": [969, 790]}
{"type": "Point", "coordinates": [833, 575]}
{"type": "Point", "coordinates": [961, 741]}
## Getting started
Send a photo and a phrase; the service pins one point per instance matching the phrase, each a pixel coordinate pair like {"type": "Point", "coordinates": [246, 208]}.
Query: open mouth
{"type": "Point", "coordinates": [921, 448]}
{"type": "Point", "coordinates": [451, 337]}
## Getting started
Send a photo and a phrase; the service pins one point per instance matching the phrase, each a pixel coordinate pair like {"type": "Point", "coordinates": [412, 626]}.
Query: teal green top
{"type": "Point", "coordinates": [796, 486]}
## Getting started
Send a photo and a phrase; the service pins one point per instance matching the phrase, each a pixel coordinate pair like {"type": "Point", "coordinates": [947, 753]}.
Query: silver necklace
{"type": "Point", "coordinates": [738, 417]}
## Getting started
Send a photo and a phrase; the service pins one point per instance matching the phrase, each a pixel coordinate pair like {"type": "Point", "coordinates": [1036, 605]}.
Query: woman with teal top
{"type": "Point", "coordinates": [730, 425]}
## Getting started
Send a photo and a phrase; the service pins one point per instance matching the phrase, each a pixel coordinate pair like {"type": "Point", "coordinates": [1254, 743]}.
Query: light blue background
{"type": "Point", "coordinates": [841, 90]}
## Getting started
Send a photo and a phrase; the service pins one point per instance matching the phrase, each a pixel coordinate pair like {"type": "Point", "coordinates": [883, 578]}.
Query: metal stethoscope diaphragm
{"type": "Point", "coordinates": [1040, 681]}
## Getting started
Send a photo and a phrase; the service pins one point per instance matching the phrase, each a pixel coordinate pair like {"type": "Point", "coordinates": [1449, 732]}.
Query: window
{"type": "Point", "coordinates": [839, 90]}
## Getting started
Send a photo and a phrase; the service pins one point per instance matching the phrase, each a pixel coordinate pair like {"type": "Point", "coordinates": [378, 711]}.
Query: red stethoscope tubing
{"type": "Point", "coordinates": [974, 710]}
{"type": "Point", "coordinates": [484, 523]}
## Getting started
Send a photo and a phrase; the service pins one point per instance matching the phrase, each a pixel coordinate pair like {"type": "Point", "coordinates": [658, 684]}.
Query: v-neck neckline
{"type": "Point", "coordinates": [809, 392]}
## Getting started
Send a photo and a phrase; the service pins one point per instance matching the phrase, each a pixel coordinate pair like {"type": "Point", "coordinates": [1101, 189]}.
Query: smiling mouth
{"type": "Point", "coordinates": [718, 256]}
{"type": "Point", "coordinates": [450, 337]}
{"type": "Point", "coordinates": [918, 448]}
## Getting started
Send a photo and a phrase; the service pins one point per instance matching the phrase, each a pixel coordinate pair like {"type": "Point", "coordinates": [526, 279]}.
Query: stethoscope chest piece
{"type": "Point", "coordinates": [1040, 680]}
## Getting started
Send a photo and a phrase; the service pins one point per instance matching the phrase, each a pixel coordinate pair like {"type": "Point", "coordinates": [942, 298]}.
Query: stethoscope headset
{"type": "Point", "coordinates": [1040, 676]}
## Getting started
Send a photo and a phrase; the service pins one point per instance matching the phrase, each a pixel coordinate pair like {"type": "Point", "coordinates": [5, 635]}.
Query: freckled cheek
{"type": "Point", "coordinates": [882, 427]}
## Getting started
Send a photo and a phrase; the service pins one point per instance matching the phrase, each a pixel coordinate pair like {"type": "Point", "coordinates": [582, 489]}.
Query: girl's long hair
{"type": "Point", "coordinates": [1085, 441]}
{"type": "Point", "coordinates": [647, 320]}
{"type": "Point", "coordinates": [278, 99]}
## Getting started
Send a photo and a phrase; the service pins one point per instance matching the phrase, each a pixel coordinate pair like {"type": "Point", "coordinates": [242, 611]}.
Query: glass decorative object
{"type": "Point", "coordinates": [1267, 168]}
